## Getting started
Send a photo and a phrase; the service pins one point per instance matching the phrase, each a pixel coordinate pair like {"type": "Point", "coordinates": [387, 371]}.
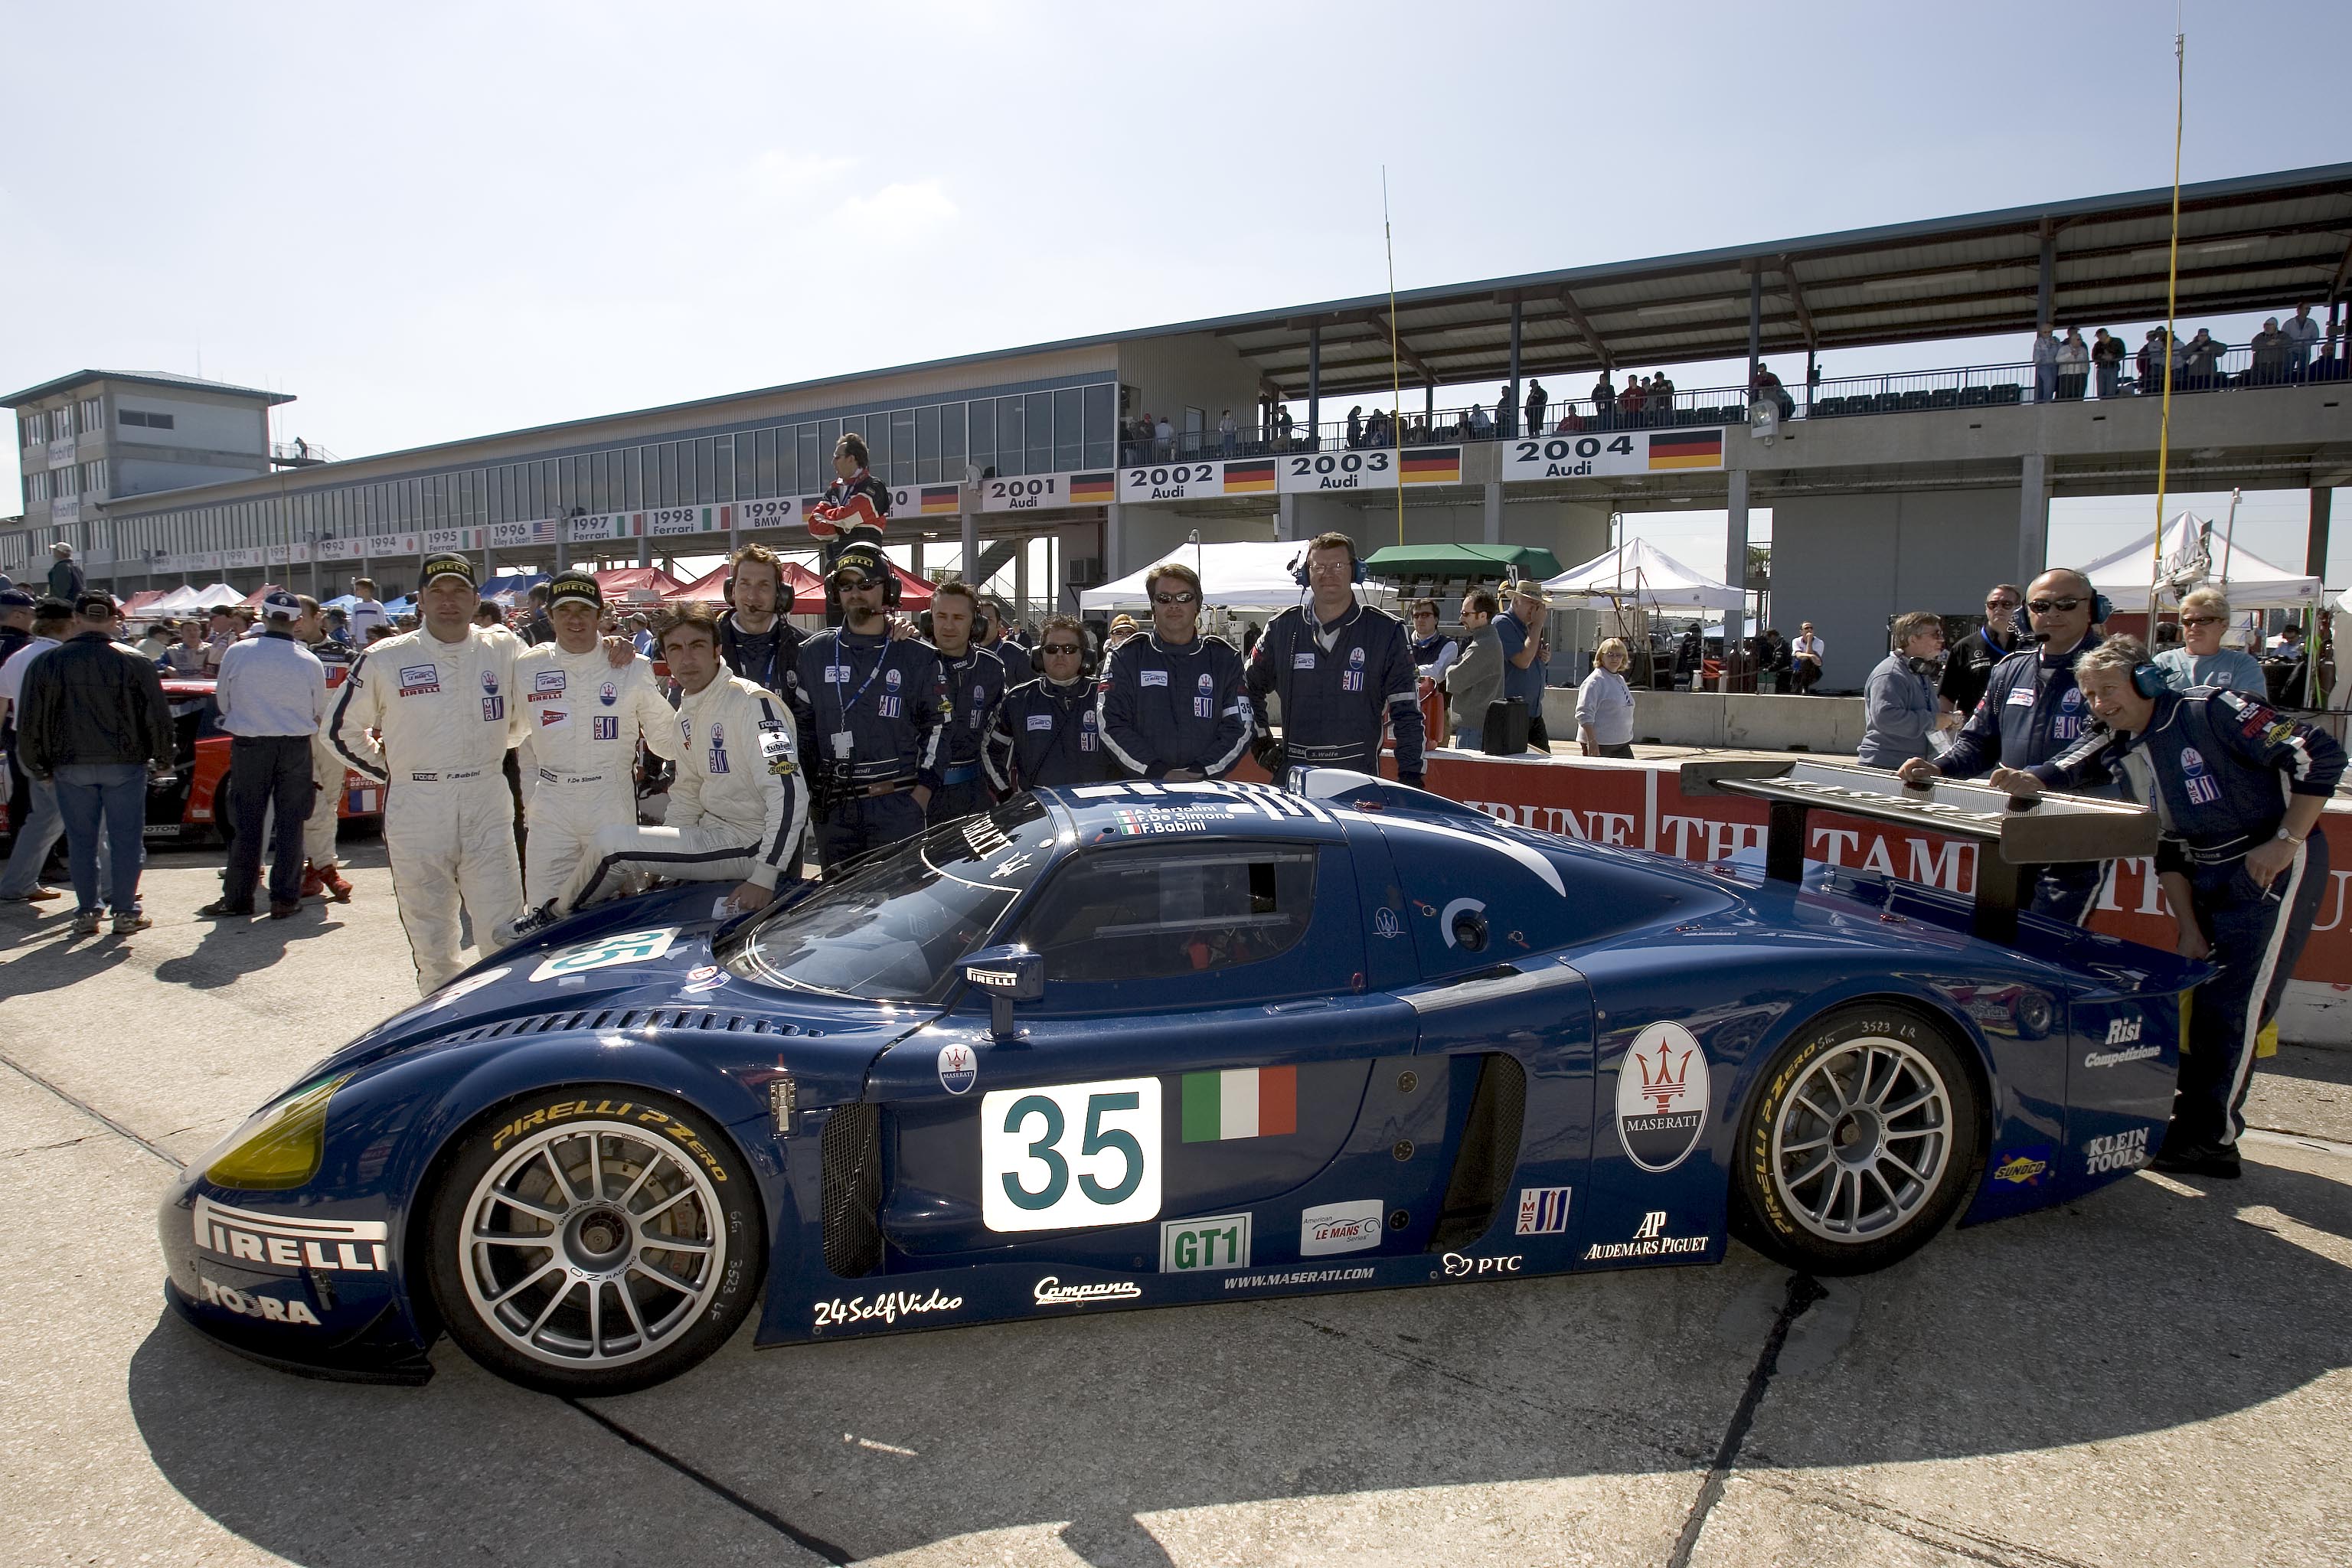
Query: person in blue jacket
{"type": "Point", "coordinates": [1170, 702]}
{"type": "Point", "coordinates": [2238, 789]}
{"type": "Point", "coordinates": [1045, 730]}
{"type": "Point", "coordinates": [1343, 669]}
{"type": "Point", "coordinates": [2032, 710]}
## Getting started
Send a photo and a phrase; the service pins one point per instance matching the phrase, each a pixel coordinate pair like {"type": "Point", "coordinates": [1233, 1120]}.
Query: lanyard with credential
{"type": "Point", "coordinates": [881, 658]}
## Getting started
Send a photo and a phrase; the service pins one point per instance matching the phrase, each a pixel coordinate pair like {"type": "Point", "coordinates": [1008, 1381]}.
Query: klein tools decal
{"type": "Point", "coordinates": [1663, 1092]}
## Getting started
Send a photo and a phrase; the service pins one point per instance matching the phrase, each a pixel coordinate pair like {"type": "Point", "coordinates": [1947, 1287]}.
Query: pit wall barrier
{"type": "Point", "coordinates": [1641, 803]}
{"type": "Point", "coordinates": [1728, 720]}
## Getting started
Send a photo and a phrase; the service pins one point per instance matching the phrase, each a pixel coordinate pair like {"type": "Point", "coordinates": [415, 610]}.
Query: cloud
{"type": "Point", "coordinates": [898, 211]}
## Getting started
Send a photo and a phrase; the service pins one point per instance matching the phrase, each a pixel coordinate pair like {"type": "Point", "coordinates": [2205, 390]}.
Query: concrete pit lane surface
{"type": "Point", "coordinates": [2155, 1375]}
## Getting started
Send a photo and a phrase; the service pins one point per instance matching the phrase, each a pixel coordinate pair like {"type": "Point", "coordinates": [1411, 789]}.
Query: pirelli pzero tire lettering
{"type": "Point", "coordinates": [1861, 1140]}
{"type": "Point", "coordinates": [593, 1239]}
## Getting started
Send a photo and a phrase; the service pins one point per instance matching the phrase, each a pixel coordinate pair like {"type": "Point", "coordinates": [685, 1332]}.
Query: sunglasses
{"type": "Point", "coordinates": [2204, 620]}
{"type": "Point", "coordinates": [1424, 615]}
{"type": "Point", "coordinates": [1184, 598]}
{"type": "Point", "coordinates": [2044, 606]}
{"type": "Point", "coordinates": [1051, 648]}
{"type": "Point", "coordinates": [2001, 604]}
{"type": "Point", "coordinates": [849, 581]}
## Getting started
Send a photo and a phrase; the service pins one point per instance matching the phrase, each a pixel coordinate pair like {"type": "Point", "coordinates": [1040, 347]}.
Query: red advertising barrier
{"type": "Point", "coordinates": [1642, 804]}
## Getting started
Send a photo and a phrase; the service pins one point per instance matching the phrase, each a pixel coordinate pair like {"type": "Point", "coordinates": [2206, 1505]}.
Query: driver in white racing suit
{"type": "Point", "coordinates": [737, 807]}
{"type": "Point", "coordinates": [582, 720]}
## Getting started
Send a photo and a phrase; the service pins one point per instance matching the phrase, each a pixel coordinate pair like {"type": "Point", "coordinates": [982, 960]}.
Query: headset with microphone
{"type": "Point", "coordinates": [979, 626]}
{"type": "Point", "coordinates": [1298, 566]}
{"type": "Point", "coordinates": [786, 594]}
{"type": "Point", "coordinates": [868, 560]}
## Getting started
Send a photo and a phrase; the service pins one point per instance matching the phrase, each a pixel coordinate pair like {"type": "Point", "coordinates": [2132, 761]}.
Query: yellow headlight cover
{"type": "Point", "coordinates": [281, 1147]}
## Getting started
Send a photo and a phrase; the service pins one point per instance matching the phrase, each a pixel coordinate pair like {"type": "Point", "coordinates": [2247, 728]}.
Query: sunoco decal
{"type": "Point", "coordinates": [1661, 1096]}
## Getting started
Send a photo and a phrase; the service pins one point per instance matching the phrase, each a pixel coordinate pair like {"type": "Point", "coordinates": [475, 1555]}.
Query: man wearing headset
{"type": "Point", "coordinates": [754, 639]}
{"type": "Point", "coordinates": [1045, 730]}
{"type": "Point", "coordinates": [975, 677]}
{"type": "Point", "coordinates": [2238, 789]}
{"type": "Point", "coordinates": [2032, 710]}
{"type": "Point", "coordinates": [879, 703]}
{"type": "Point", "coordinates": [1171, 701]}
{"type": "Point", "coordinates": [1344, 671]}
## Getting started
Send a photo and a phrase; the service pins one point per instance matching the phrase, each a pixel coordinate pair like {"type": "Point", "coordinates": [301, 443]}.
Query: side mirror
{"type": "Point", "coordinates": [1008, 974]}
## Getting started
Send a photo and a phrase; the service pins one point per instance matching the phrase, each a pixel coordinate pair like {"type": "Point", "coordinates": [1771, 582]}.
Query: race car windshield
{"type": "Point", "coordinates": [894, 930]}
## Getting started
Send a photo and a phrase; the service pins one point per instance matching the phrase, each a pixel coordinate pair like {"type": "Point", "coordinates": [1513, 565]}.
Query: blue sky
{"type": "Point", "coordinates": [438, 221]}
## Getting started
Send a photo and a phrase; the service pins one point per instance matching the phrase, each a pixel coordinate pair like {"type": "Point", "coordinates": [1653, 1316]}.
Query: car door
{"type": "Point", "coordinates": [1205, 1051]}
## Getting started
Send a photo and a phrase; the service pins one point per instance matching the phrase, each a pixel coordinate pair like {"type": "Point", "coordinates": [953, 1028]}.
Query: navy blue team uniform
{"type": "Point", "coordinates": [2032, 710]}
{"type": "Point", "coordinates": [975, 685]}
{"type": "Point", "coordinates": [1045, 734]}
{"type": "Point", "coordinates": [1339, 683]}
{"type": "Point", "coordinates": [879, 707]}
{"type": "Point", "coordinates": [2218, 768]}
{"type": "Point", "coordinates": [1163, 706]}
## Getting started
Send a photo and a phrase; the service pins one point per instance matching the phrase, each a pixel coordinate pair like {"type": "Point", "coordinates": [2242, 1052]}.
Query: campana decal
{"type": "Point", "coordinates": [256, 1304]}
{"type": "Point", "coordinates": [1663, 1091]}
{"type": "Point", "coordinates": [887, 1308]}
{"type": "Point", "coordinates": [1458, 1266]}
{"type": "Point", "coordinates": [2022, 1167]}
{"type": "Point", "coordinates": [1543, 1211]}
{"type": "Point", "coordinates": [1051, 1292]}
{"type": "Point", "coordinates": [354, 1246]}
{"type": "Point", "coordinates": [2117, 1151]}
{"type": "Point", "coordinates": [1650, 1240]}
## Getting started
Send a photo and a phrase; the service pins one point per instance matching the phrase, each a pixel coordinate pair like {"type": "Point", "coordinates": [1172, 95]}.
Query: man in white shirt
{"type": "Point", "coordinates": [2301, 334]}
{"type": "Point", "coordinates": [272, 698]}
{"type": "Point", "coordinates": [42, 825]}
{"type": "Point", "coordinates": [367, 613]}
{"type": "Point", "coordinates": [1805, 660]}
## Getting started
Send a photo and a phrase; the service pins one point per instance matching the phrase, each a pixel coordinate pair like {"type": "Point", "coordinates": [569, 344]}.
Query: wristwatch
{"type": "Point", "coordinates": [2285, 837]}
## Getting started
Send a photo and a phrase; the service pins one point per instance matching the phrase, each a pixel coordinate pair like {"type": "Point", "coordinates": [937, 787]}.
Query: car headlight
{"type": "Point", "coordinates": [281, 1147]}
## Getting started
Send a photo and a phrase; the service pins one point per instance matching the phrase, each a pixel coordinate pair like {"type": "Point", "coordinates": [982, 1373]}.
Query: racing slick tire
{"type": "Point", "coordinates": [1862, 1139]}
{"type": "Point", "coordinates": [593, 1239]}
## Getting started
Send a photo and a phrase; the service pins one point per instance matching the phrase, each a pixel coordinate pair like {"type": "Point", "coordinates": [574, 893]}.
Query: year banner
{"type": "Point", "coordinates": [1599, 452]}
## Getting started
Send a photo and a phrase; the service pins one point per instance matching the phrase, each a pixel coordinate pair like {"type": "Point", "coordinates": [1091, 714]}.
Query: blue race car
{"type": "Point", "coordinates": [1138, 1045]}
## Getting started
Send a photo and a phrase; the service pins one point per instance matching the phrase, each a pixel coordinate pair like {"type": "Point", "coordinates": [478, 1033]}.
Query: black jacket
{"type": "Point", "coordinates": [87, 701]}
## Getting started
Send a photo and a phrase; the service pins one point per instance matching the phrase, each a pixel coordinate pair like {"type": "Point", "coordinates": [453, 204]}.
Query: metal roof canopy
{"type": "Point", "coordinates": [163, 379]}
{"type": "Point", "coordinates": [2263, 241]}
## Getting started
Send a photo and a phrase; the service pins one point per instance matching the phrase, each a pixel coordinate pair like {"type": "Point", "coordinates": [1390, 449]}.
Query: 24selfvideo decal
{"type": "Point", "coordinates": [1663, 1092]}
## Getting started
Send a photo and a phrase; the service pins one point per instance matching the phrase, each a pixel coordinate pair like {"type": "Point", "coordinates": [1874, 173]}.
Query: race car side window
{"type": "Point", "coordinates": [1166, 911]}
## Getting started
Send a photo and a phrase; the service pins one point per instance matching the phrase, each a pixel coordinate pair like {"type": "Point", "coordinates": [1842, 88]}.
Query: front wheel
{"type": "Point", "coordinates": [1860, 1145]}
{"type": "Point", "coordinates": [595, 1239]}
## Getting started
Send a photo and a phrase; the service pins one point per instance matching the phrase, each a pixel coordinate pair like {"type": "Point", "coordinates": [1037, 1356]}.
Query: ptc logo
{"type": "Point", "coordinates": [2123, 1031]}
{"type": "Point", "coordinates": [1653, 1224]}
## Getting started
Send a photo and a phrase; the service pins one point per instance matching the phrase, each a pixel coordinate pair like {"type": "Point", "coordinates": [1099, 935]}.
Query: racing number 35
{"type": "Point", "coordinates": [1069, 1155]}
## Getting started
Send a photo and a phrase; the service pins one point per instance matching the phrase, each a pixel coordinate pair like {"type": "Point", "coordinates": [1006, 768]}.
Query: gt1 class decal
{"type": "Point", "coordinates": [256, 1303]}
{"type": "Point", "coordinates": [959, 1069]}
{"type": "Point", "coordinates": [1341, 1227]}
{"type": "Point", "coordinates": [1196, 1245]}
{"type": "Point", "coordinates": [887, 1308]}
{"type": "Point", "coordinates": [625, 947]}
{"type": "Point", "coordinates": [353, 1247]}
{"type": "Point", "coordinates": [2117, 1151]}
{"type": "Point", "coordinates": [1066, 1156]}
{"type": "Point", "coordinates": [1650, 1240]}
{"type": "Point", "coordinates": [2022, 1167]}
{"type": "Point", "coordinates": [1543, 1211]}
{"type": "Point", "coordinates": [1051, 1292]}
{"type": "Point", "coordinates": [1661, 1096]}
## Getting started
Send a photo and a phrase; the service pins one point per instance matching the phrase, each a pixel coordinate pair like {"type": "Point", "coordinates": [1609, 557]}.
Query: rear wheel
{"type": "Point", "coordinates": [595, 1239]}
{"type": "Point", "coordinates": [1860, 1143]}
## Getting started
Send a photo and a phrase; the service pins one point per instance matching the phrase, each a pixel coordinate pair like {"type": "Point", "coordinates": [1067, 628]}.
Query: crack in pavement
{"type": "Point", "coordinates": [1804, 1292]}
{"type": "Point", "coordinates": [718, 1489]}
{"type": "Point", "coordinates": [94, 1113]}
{"type": "Point", "coordinates": [1997, 1551]}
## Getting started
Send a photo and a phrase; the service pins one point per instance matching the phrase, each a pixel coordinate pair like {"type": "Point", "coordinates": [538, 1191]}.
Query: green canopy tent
{"type": "Point", "coordinates": [1400, 562]}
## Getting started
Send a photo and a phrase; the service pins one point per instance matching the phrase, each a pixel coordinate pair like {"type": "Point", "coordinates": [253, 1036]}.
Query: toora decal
{"type": "Point", "coordinates": [1663, 1091]}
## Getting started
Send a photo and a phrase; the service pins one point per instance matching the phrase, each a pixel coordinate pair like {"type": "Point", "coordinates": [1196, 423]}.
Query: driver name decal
{"type": "Point", "coordinates": [1661, 1096]}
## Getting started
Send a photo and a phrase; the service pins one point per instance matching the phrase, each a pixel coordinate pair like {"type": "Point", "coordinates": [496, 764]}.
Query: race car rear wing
{"type": "Point", "coordinates": [2015, 835]}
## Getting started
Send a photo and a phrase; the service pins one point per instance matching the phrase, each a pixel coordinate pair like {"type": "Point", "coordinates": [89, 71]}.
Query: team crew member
{"type": "Point", "coordinates": [1343, 671]}
{"type": "Point", "coordinates": [321, 877]}
{"type": "Point", "coordinates": [2238, 789]}
{"type": "Point", "coordinates": [855, 503]}
{"type": "Point", "coordinates": [584, 718]}
{"type": "Point", "coordinates": [1172, 702]}
{"type": "Point", "coordinates": [975, 679]}
{"type": "Point", "coordinates": [1046, 731]}
{"type": "Point", "coordinates": [754, 639]}
{"type": "Point", "coordinates": [272, 699]}
{"type": "Point", "coordinates": [879, 704]}
{"type": "Point", "coordinates": [2030, 711]}
{"type": "Point", "coordinates": [1970, 664]}
{"type": "Point", "coordinates": [737, 806]}
{"type": "Point", "coordinates": [440, 702]}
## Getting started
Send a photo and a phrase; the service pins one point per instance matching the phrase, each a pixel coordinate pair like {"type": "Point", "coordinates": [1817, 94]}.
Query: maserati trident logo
{"type": "Point", "coordinates": [1664, 1078]}
{"type": "Point", "coordinates": [1663, 1092]}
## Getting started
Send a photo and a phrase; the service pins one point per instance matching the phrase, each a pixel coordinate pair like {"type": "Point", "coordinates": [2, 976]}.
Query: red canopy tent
{"type": "Point", "coordinates": [139, 601]}
{"type": "Point", "coordinates": [636, 585]}
{"type": "Point", "coordinates": [914, 593]}
{"type": "Point", "coordinates": [710, 588]}
{"type": "Point", "coordinates": [253, 600]}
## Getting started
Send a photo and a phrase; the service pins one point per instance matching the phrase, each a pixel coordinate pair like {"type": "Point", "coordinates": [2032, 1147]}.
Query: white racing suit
{"type": "Point", "coordinates": [736, 808]}
{"type": "Point", "coordinates": [584, 718]}
{"type": "Point", "coordinates": [447, 712]}
{"type": "Point", "coordinates": [327, 776]}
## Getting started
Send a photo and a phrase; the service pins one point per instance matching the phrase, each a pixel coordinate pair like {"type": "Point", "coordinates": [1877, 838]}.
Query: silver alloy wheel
{"type": "Point", "coordinates": [592, 1245]}
{"type": "Point", "coordinates": [1862, 1139]}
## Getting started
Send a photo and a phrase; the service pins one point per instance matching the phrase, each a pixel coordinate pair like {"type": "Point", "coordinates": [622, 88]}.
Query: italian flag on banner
{"type": "Point", "coordinates": [1240, 1103]}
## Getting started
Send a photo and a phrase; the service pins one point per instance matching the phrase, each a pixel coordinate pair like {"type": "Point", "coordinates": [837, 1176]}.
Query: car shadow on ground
{"type": "Point", "coordinates": [2151, 1306]}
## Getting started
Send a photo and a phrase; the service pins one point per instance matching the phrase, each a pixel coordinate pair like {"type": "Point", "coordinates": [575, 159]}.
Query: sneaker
{"type": "Point", "coordinates": [86, 923]}
{"type": "Point", "coordinates": [222, 909]}
{"type": "Point", "coordinates": [2212, 1160]}
{"type": "Point", "coordinates": [285, 912]}
{"type": "Point", "coordinates": [37, 896]}
{"type": "Point", "coordinates": [135, 921]}
{"type": "Point", "coordinates": [530, 922]}
{"type": "Point", "coordinates": [337, 888]}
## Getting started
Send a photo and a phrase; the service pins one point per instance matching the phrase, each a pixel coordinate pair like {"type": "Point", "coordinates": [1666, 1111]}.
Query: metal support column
{"type": "Point", "coordinates": [1492, 512]}
{"type": "Point", "coordinates": [2315, 565]}
{"type": "Point", "coordinates": [1428, 403]}
{"type": "Point", "coordinates": [2033, 517]}
{"type": "Point", "coordinates": [1508, 424]}
{"type": "Point", "coordinates": [1314, 386]}
{"type": "Point", "coordinates": [1021, 582]}
{"type": "Point", "coordinates": [967, 528]}
{"type": "Point", "coordinates": [2046, 288]}
{"type": "Point", "coordinates": [1113, 565]}
{"type": "Point", "coordinates": [1734, 557]}
{"type": "Point", "coordinates": [1285, 517]}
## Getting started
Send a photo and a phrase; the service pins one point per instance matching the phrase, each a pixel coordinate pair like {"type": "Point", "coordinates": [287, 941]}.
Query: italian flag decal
{"type": "Point", "coordinates": [1240, 1103]}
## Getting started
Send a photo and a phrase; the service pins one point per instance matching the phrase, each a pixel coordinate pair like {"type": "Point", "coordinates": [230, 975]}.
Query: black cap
{"type": "Point", "coordinates": [864, 558]}
{"type": "Point", "coordinates": [575, 585]}
{"type": "Point", "coordinates": [448, 563]}
{"type": "Point", "coordinates": [15, 599]}
{"type": "Point", "coordinates": [94, 603]}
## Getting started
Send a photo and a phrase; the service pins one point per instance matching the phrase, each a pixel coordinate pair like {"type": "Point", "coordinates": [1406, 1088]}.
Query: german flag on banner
{"type": "Point", "coordinates": [937, 499]}
{"type": "Point", "coordinates": [1093, 490]}
{"type": "Point", "coordinates": [1248, 475]}
{"type": "Point", "coordinates": [1441, 466]}
{"type": "Point", "coordinates": [1687, 449]}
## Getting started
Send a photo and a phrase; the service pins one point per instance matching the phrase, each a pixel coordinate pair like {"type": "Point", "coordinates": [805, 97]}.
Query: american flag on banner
{"type": "Point", "coordinates": [543, 532]}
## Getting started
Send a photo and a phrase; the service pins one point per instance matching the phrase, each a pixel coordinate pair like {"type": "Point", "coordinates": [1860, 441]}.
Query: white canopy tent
{"type": "Point", "coordinates": [1639, 573]}
{"type": "Point", "coordinates": [2194, 554]}
{"type": "Point", "coordinates": [177, 602]}
{"type": "Point", "coordinates": [217, 593]}
{"type": "Point", "coordinates": [1247, 575]}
